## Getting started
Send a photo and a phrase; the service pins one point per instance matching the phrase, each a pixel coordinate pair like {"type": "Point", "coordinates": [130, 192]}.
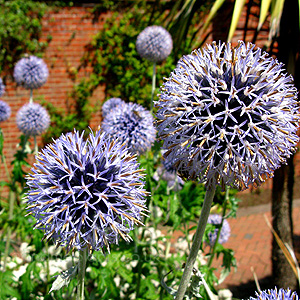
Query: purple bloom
{"type": "Point", "coordinates": [86, 193]}
{"type": "Point", "coordinates": [225, 231]}
{"type": "Point", "coordinates": [154, 43]}
{"type": "Point", "coordinates": [33, 119]}
{"type": "Point", "coordinates": [5, 111]}
{"type": "Point", "coordinates": [132, 124]}
{"type": "Point", "coordinates": [31, 72]}
{"type": "Point", "coordinates": [110, 104]}
{"type": "Point", "coordinates": [2, 87]}
{"type": "Point", "coordinates": [273, 294]}
{"type": "Point", "coordinates": [228, 116]}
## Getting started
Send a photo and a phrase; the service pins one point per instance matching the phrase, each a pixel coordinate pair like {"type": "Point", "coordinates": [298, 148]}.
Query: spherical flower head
{"type": "Point", "coordinates": [2, 87]}
{"type": "Point", "coordinates": [133, 125]}
{"type": "Point", "coordinates": [228, 116]}
{"type": "Point", "coordinates": [86, 193]}
{"type": "Point", "coordinates": [5, 111]}
{"type": "Point", "coordinates": [225, 231]}
{"type": "Point", "coordinates": [33, 119]}
{"type": "Point", "coordinates": [31, 72]}
{"type": "Point", "coordinates": [273, 294]}
{"type": "Point", "coordinates": [154, 43]}
{"type": "Point", "coordinates": [110, 104]}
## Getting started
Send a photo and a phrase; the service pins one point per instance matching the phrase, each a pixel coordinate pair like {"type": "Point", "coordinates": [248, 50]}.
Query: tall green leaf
{"type": "Point", "coordinates": [238, 7]}
{"type": "Point", "coordinates": [264, 9]}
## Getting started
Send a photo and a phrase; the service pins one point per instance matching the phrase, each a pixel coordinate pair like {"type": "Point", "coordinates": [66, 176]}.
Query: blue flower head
{"type": "Point", "coordinates": [273, 294]}
{"type": "Point", "coordinates": [31, 72]}
{"type": "Point", "coordinates": [110, 104]}
{"type": "Point", "coordinates": [225, 231]}
{"type": "Point", "coordinates": [33, 119]}
{"type": "Point", "coordinates": [228, 116]}
{"type": "Point", "coordinates": [2, 87]}
{"type": "Point", "coordinates": [133, 125]}
{"type": "Point", "coordinates": [86, 193]}
{"type": "Point", "coordinates": [154, 43]}
{"type": "Point", "coordinates": [5, 111]}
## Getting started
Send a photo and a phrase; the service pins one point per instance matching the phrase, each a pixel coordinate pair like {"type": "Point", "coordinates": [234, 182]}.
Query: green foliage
{"type": "Point", "coordinates": [21, 25]}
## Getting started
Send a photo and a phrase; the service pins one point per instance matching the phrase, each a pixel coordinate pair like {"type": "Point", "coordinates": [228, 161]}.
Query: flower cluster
{"type": "Point", "coordinates": [2, 87]}
{"type": "Point", "coordinates": [228, 116]}
{"type": "Point", "coordinates": [225, 231]}
{"type": "Point", "coordinates": [33, 119]}
{"type": "Point", "coordinates": [110, 104]}
{"type": "Point", "coordinates": [273, 294]}
{"type": "Point", "coordinates": [154, 43]}
{"type": "Point", "coordinates": [133, 125]}
{"type": "Point", "coordinates": [86, 193]}
{"type": "Point", "coordinates": [31, 72]}
{"type": "Point", "coordinates": [5, 111]}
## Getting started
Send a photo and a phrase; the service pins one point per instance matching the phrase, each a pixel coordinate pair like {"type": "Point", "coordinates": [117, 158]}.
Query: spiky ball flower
{"type": "Point", "coordinates": [133, 125]}
{"type": "Point", "coordinates": [31, 72]}
{"type": "Point", "coordinates": [273, 294]}
{"type": "Point", "coordinates": [2, 87]}
{"type": "Point", "coordinates": [86, 193]}
{"type": "Point", "coordinates": [33, 119]}
{"type": "Point", "coordinates": [225, 231]}
{"type": "Point", "coordinates": [154, 43]}
{"type": "Point", "coordinates": [110, 104]}
{"type": "Point", "coordinates": [5, 111]}
{"type": "Point", "coordinates": [228, 116]}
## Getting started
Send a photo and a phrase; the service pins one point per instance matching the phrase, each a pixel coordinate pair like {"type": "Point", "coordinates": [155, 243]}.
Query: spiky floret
{"type": "Point", "coordinates": [228, 115]}
{"type": "Point", "coordinates": [154, 43]}
{"type": "Point", "coordinates": [133, 125]}
{"type": "Point", "coordinates": [110, 104]}
{"type": "Point", "coordinates": [32, 119]}
{"type": "Point", "coordinates": [5, 111]}
{"type": "Point", "coordinates": [31, 72]}
{"type": "Point", "coordinates": [86, 193]}
{"type": "Point", "coordinates": [2, 87]}
{"type": "Point", "coordinates": [225, 231]}
{"type": "Point", "coordinates": [273, 294]}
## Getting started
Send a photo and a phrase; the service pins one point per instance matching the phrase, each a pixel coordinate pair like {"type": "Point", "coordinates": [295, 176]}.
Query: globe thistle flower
{"type": "Point", "coordinates": [110, 104]}
{"type": "Point", "coordinates": [33, 119]}
{"type": "Point", "coordinates": [154, 43]}
{"type": "Point", "coordinates": [228, 116]}
{"type": "Point", "coordinates": [133, 125]}
{"type": "Point", "coordinates": [86, 193]}
{"type": "Point", "coordinates": [31, 72]}
{"type": "Point", "coordinates": [5, 111]}
{"type": "Point", "coordinates": [2, 87]}
{"type": "Point", "coordinates": [225, 231]}
{"type": "Point", "coordinates": [273, 294]}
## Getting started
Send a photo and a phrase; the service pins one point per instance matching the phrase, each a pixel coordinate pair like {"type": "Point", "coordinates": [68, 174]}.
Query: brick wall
{"type": "Point", "coordinates": [71, 29]}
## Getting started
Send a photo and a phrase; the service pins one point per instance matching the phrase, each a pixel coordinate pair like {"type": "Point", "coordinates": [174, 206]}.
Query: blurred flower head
{"type": "Point", "coordinates": [2, 87]}
{"type": "Point", "coordinates": [154, 43]}
{"type": "Point", "coordinates": [133, 125]}
{"type": "Point", "coordinates": [110, 104]}
{"type": "Point", "coordinates": [5, 111]}
{"type": "Point", "coordinates": [273, 294]}
{"type": "Point", "coordinates": [228, 116]}
{"type": "Point", "coordinates": [31, 72]}
{"type": "Point", "coordinates": [86, 193]}
{"type": "Point", "coordinates": [225, 231]}
{"type": "Point", "coordinates": [33, 119]}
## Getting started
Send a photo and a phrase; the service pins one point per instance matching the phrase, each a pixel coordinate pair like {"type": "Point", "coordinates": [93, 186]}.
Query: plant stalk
{"type": "Point", "coordinates": [185, 279]}
{"type": "Point", "coordinates": [153, 86]}
{"type": "Point", "coordinates": [83, 256]}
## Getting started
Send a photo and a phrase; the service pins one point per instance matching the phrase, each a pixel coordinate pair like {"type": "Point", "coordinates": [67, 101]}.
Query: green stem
{"type": "Point", "coordinates": [36, 149]}
{"type": "Point", "coordinates": [10, 217]}
{"type": "Point", "coordinates": [185, 279]}
{"type": "Point", "coordinates": [31, 96]}
{"type": "Point", "coordinates": [220, 228]}
{"type": "Point", "coordinates": [81, 273]}
{"type": "Point", "coordinates": [153, 86]}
